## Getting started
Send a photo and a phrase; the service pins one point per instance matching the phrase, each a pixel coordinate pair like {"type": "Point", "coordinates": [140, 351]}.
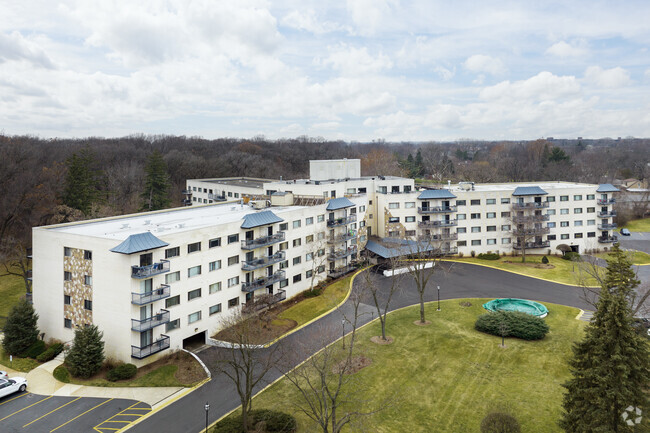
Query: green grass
{"type": "Point", "coordinates": [12, 288]}
{"type": "Point", "coordinates": [162, 376]}
{"type": "Point", "coordinates": [564, 271]}
{"type": "Point", "coordinates": [641, 225]}
{"type": "Point", "coordinates": [19, 364]}
{"type": "Point", "coordinates": [310, 308]}
{"type": "Point", "coordinates": [447, 376]}
{"type": "Point", "coordinates": [637, 257]}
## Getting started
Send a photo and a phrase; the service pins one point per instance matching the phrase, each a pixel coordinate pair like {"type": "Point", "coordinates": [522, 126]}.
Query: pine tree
{"type": "Point", "coordinates": [418, 165]}
{"type": "Point", "coordinates": [87, 352]}
{"type": "Point", "coordinates": [20, 330]}
{"type": "Point", "coordinates": [156, 190]}
{"type": "Point", "coordinates": [81, 182]}
{"type": "Point", "coordinates": [611, 366]}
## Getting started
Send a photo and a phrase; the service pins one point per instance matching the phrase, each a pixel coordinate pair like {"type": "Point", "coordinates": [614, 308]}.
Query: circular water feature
{"type": "Point", "coordinates": [513, 304]}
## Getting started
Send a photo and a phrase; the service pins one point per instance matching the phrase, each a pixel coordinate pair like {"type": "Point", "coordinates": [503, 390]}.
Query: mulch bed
{"type": "Point", "coordinates": [426, 322]}
{"type": "Point", "coordinates": [267, 328]}
{"type": "Point", "coordinates": [356, 363]}
{"type": "Point", "coordinates": [530, 265]}
{"type": "Point", "coordinates": [378, 340]}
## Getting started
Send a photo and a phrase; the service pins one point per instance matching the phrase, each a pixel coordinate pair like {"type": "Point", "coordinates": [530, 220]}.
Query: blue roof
{"type": "Point", "coordinates": [431, 194]}
{"type": "Point", "coordinates": [140, 242]}
{"type": "Point", "coordinates": [260, 219]}
{"type": "Point", "coordinates": [529, 190]}
{"type": "Point", "coordinates": [607, 187]}
{"type": "Point", "coordinates": [399, 247]}
{"type": "Point", "coordinates": [339, 203]}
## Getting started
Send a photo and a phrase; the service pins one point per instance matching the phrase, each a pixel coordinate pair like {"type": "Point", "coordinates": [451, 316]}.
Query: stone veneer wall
{"type": "Point", "coordinates": [77, 289]}
{"type": "Point", "coordinates": [392, 227]}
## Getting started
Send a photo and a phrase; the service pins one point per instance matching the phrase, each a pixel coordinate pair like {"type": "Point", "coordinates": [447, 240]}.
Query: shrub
{"type": "Point", "coordinates": [570, 255]}
{"type": "Point", "coordinates": [545, 260]}
{"type": "Point", "coordinates": [473, 253]}
{"type": "Point", "coordinates": [122, 372]}
{"type": "Point", "coordinates": [61, 374]}
{"type": "Point", "coordinates": [489, 256]}
{"type": "Point", "coordinates": [50, 353]}
{"type": "Point", "coordinates": [312, 293]}
{"type": "Point", "coordinates": [20, 330]}
{"type": "Point", "coordinates": [87, 352]}
{"type": "Point", "coordinates": [35, 349]}
{"type": "Point", "coordinates": [275, 422]}
{"type": "Point", "coordinates": [519, 325]}
{"type": "Point", "coordinates": [499, 422]}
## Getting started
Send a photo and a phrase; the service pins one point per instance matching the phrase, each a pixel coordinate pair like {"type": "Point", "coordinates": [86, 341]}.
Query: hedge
{"type": "Point", "coordinates": [518, 324]}
{"type": "Point", "coordinates": [50, 353]}
{"type": "Point", "coordinates": [122, 372]}
{"type": "Point", "coordinates": [275, 422]}
{"type": "Point", "coordinates": [571, 255]}
{"type": "Point", "coordinates": [61, 374]}
{"type": "Point", "coordinates": [489, 256]}
{"type": "Point", "coordinates": [34, 350]}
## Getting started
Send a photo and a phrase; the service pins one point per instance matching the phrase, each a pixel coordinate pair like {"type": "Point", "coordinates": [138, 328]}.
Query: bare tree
{"type": "Point", "coordinates": [527, 226]}
{"type": "Point", "coordinates": [318, 256]}
{"type": "Point", "coordinates": [382, 296]}
{"type": "Point", "coordinates": [15, 261]}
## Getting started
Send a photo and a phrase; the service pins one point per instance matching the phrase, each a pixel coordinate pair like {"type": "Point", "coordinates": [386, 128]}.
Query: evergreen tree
{"type": "Point", "coordinates": [81, 182]}
{"type": "Point", "coordinates": [611, 366]}
{"type": "Point", "coordinates": [20, 330]}
{"type": "Point", "coordinates": [418, 165]}
{"type": "Point", "coordinates": [87, 352]}
{"type": "Point", "coordinates": [156, 191]}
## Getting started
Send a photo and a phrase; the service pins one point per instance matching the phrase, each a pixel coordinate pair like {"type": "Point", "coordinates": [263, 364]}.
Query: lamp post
{"type": "Point", "coordinates": [438, 298]}
{"type": "Point", "coordinates": [343, 336]}
{"type": "Point", "coordinates": [207, 408]}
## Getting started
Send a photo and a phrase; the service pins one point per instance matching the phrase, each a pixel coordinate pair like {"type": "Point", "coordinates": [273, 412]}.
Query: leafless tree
{"type": "Point", "coordinates": [13, 257]}
{"type": "Point", "coordinates": [318, 255]}
{"type": "Point", "coordinates": [527, 226]}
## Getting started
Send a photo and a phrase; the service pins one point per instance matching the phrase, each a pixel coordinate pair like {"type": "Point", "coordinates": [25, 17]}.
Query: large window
{"type": "Point", "coordinates": [475, 216]}
{"type": "Point", "coordinates": [476, 243]}
{"type": "Point", "coordinates": [296, 224]}
{"type": "Point", "coordinates": [215, 309]}
{"type": "Point", "coordinates": [491, 214]}
{"type": "Point", "coordinates": [193, 294]}
{"type": "Point", "coordinates": [233, 302]}
{"type": "Point", "coordinates": [393, 219]}
{"type": "Point", "coordinates": [172, 277]}
{"type": "Point", "coordinates": [476, 229]}
{"type": "Point", "coordinates": [233, 238]}
{"type": "Point", "coordinates": [193, 271]}
{"type": "Point", "coordinates": [233, 260]}
{"type": "Point", "coordinates": [215, 287]}
{"type": "Point", "coordinates": [393, 205]}
{"type": "Point", "coordinates": [213, 266]}
{"type": "Point", "coordinates": [233, 281]}
{"type": "Point", "coordinates": [174, 324]}
{"type": "Point", "coordinates": [192, 248]}
{"type": "Point", "coordinates": [309, 221]}
{"type": "Point", "coordinates": [172, 252]}
{"type": "Point", "coordinates": [216, 242]}
{"type": "Point", "coordinates": [475, 202]}
{"type": "Point", "coordinates": [194, 317]}
{"type": "Point", "coordinates": [297, 242]}
{"type": "Point", "coordinates": [491, 201]}
{"type": "Point", "coordinates": [174, 300]}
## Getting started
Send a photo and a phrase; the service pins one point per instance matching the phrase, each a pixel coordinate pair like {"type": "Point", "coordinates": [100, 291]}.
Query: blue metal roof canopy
{"type": "Point", "coordinates": [339, 203]}
{"type": "Point", "coordinates": [432, 194]}
{"type": "Point", "coordinates": [402, 247]}
{"type": "Point", "coordinates": [607, 187]}
{"type": "Point", "coordinates": [138, 243]}
{"type": "Point", "coordinates": [529, 190]}
{"type": "Point", "coordinates": [260, 219]}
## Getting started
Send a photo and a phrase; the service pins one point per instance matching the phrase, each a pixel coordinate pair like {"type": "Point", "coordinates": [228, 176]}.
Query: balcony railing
{"type": "Point", "coordinates": [150, 270]}
{"type": "Point", "coordinates": [339, 254]}
{"type": "Point", "coordinates": [446, 251]}
{"type": "Point", "coordinates": [29, 275]}
{"type": "Point", "coordinates": [439, 237]}
{"type": "Point", "coordinates": [342, 221]}
{"type": "Point", "coordinates": [216, 197]}
{"type": "Point", "coordinates": [530, 218]}
{"type": "Point", "coordinates": [352, 234]}
{"type": "Point", "coordinates": [267, 301]}
{"type": "Point", "coordinates": [155, 347]}
{"type": "Point", "coordinates": [532, 245]}
{"type": "Point", "coordinates": [437, 209]}
{"type": "Point", "coordinates": [532, 205]}
{"type": "Point", "coordinates": [262, 262]}
{"type": "Point", "coordinates": [607, 226]}
{"type": "Point", "coordinates": [531, 231]}
{"type": "Point", "coordinates": [186, 202]}
{"type": "Point", "coordinates": [187, 192]}
{"type": "Point", "coordinates": [607, 239]}
{"type": "Point", "coordinates": [339, 272]}
{"type": "Point", "coordinates": [150, 322]}
{"type": "Point", "coordinates": [605, 214]}
{"type": "Point", "coordinates": [606, 201]}
{"type": "Point", "coordinates": [437, 223]}
{"type": "Point", "coordinates": [264, 241]}
{"type": "Point", "coordinates": [262, 282]}
{"type": "Point", "coordinates": [148, 297]}
{"type": "Point", "coordinates": [28, 252]}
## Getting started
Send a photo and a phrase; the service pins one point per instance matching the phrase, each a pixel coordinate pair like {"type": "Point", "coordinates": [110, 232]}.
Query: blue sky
{"type": "Point", "coordinates": [351, 70]}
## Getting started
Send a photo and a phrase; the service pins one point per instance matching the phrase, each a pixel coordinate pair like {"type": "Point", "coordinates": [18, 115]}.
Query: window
{"type": "Point", "coordinates": [551, 237]}
{"type": "Point", "coordinates": [67, 323]}
{"type": "Point", "coordinates": [321, 235]}
{"type": "Point", "coordinates": [309, 257]}
{"type": "Point", "coordinates": [491, 241]}
{"type": "Point", "coordinates": [88, 305]}
{"type": "Point", "coordinates": [284, 246]}
{"type": "Point", "coordinates": [215, 287]}
{"type": "Point", "coordinates": [564, 198]}
{"type": "Point", "coordinates": [321, 252]}
{"type": "Point", "coordinates": [409, 205]}
{"type": "Point", "coordinates": [476, 229]}
{"type": "Point", "coordinates": [505, 214]}
{"type": "Point", "coordinates": [476, 242]}
{"type": "Point", "coordinates": [233, 238]}
{"type": "Point", "coordinates": [505, 240]}
{"type": "Point", "coordinates": [172, 277]}
{"type": "Point", "coordinates": [66, 299]}
{"type": "Point", "coordinates": [297, 242]}
{"type": "Point", "coordinates": [393, 219]}
{"type": "Point", "coordinates": [172, 252]}
{"type": "Point", "coordinates": [550, 212]}
{"type": "Point", "coordinates": [284, 283]}
{"type": "Point", "coordinates": [491, 201]}
{"type": "Point", "coordinates": [194, 317]}
{"type": "Point", "coordinates": [284, 264]}
{"type": "Point", "coordinates": [296, 224]}
{"type": "Point", "coordinates": [577, 223]}
{"type": "Point", "coordinates": [233, 302]}
{"type": "Point", "coordinates": [461, 216]}
{"type": "Point", "coordinates": [309, 238]}
{"type": "Point", "coordinates": [363, 208]}
{"type": "Point", "coordinates": [475, 202]}
{"type": "Point", "coordinates": [393, 205]}
{"type": "Point", "coordinates": [475, 216]}
{"type": "Point", "coordinates": [193, 294]}
{"type": "Point", "coordinates": [297, 260]}
{"type": "Point", "coordinates": [215, 309]}
{"type": "Point", "coordinates": [309, 273]}
{"type": "Point", "coordinates": [174, 300]}
{"type": "Point", "coordinates": [461, 243]}
{"type": "Point", "coordinates": [67, 275]}
{"type": "Point", "coordinates": [591, 209]}
{"type": "Point", "coordinates": [491, 214]}
{"type": "Point", "coordinates": [577, 197]}
{"type": "Point", "coordinates": [362, 223]}
{"type": "Point", "coordinates": [193, 271]}
{"type": "Point", "coordinates": [88, 280]}
{"type": "Point", "coordinates": [213, 266]}
{"type": "Point", "coordinates": [505, 227]}
{"type": "Point", "coordinates": [174, 324]}
{"type": "Point", "coordinates": [577, 235]}
{"type": "Point", "coordinates": [460, 202]}
{"type": "Point", "coordinates": [297, 278]}
{"type": "Point", "coordinates": [505, 201]}
{"type": "Point", "coordinates": [192, 248]}
{"type": "Point", "coordinates": [461, 230]}
{"type": "Point", "coordinates": [564, 236]}
{"type": "Point", "coordinates": [564, 223]}
{"type": "Point", "coordinates": [591, 234]}
{"type": "Point", "coordinates": [491, 228]}
{"type": "Point", "coordinates": [67, 251]}
{"type": "Point", "coordinates": [216, 242]}
{"type": "Point", "coordinates": [409, 233]}
{"type": "Point", "coordinates": [550, 225]}
{"type": "Point", "coordinates": [233, 260]}
{"type": "Point", "coordinates": [284, 227]}
{"type": "Point", "coordinates": [233, 281]}
{"type": "Point", "coordinates": [229, 193]}
{"type": "Point", "coordinates": [564, 211]}
{"type": "Point", "coordinates": [320, 218]}
{"type": "Point", "coordinates": [591, 197]}
{"type": "Point", "coordinates": [409, 219]}
{"type": "Point", "coordinates": [591, 222]}
{"type": "Point", "coordinates": [577, 210]}
{"type": "Point", "coordinates": [88, 255]}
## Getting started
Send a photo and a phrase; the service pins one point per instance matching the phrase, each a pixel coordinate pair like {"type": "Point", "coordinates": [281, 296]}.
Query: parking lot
{"type": "Point", "coordinates": [33, 413]}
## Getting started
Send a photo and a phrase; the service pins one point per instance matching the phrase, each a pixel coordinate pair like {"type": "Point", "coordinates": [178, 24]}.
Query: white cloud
{"type": "Point", "coordinates": [543, 86]}
{"type": "Point", "coordinates": [14, 46]}
{"type": "Point", "coordinates": [564, 50]}
{"type": "Point", "coordinates": [480, 63]}
{"type": "Point", "coordinates": [607, 78]}
{"type": "Point", "coordinates": [356, 61]}
{"type": "Point", "coordinates": [370, 16]}
{"type": "Point", "coordinates": [308, 21]}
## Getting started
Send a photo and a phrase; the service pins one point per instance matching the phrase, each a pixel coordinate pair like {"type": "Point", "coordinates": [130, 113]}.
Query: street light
{"type": "Point", "coordinates": [343, 336]}
{"type": "Point", "coordinates": [207, 408]}
{"type": "Point", "coordinates": [438, 298]}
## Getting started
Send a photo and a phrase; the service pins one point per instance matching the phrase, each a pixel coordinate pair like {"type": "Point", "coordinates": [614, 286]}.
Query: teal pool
{"type": "Point", "coordinates": [513, 304]}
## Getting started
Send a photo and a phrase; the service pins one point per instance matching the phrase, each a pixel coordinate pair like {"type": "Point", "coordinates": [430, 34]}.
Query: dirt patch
{"type": "Point", "coordinates": [426, 322]}
{"type": "Point", "coordinates": [378, 340]}
{"type": "Point", "coordinates": [465, 304]}
{"type": "Point", "coordinates": [267, 328]}
{"type": "Point", "coordinates": [530, 265]}
{"type": "Point", "coordinates": [356, 363]}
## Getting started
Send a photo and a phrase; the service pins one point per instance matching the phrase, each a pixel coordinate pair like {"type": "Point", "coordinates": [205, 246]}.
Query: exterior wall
{"type": "Point", "coordinates": [334, 169]}
{"type": "Point", "coordinates": [204, 191]}
{"type": "Point", "coordinates": [79, 268]}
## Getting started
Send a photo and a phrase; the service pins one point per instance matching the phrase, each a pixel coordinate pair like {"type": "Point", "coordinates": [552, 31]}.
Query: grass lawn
{"type": "Point", "coordinates": [19, 364]}
{"type": "Point", "coordinates": [12, 288]}
{"type": "Point", "coordinates": [448, 376]}
{"type": "Point", "coordinates": [638, 257]}
{"type": "Point", "coordinates": [563, 271]}
{"type": "Point", "coordinates": [642, 225]}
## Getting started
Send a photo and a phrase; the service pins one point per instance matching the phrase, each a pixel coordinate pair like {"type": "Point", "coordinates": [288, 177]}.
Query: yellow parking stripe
{"type": "Point", "coordinates": [22, 395]}
{"type": "Point", "coordinates": [92, 408]}
{"type": "Point", "coordinates": [52, 411]}
{"type": "Point", "coordinates": [99, 427]}
{"type": "Point", "coordinates": [46, 398]}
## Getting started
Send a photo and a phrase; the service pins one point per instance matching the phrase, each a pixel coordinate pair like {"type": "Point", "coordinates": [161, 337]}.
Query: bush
{"type": "Point", "coordinates": [519, 325]}
{"type": "Point", "coordinates": [34, 350]}
{"type": "Point", "coordinates": [499, 422]}
{"type": "Point", "coordinates": [50, 353]}
{"type": "Point", "coordinates": [87, 352]}
{"type": "Point", "coordinates": [122, 372]}
{"type": "Point", "coordinates": [312, 293]}
{"type": "Point", "coordinates": [20, 330]}
{"type": "Point", "coordinates": [545, 260]}
{"type": "Point", "coordinates": [570, 255]}
{"type": "Point", "coordinates": [489, 256]}
{"type": "Point", "coordinates": [275, 422]}
{"type": "Point", "coordinates": [61, 374]}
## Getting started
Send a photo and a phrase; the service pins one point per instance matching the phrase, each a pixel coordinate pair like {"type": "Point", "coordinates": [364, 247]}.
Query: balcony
{"type": "Point", "coordinates": [342, 221]}
{"type": "Point", "coordinates": [607, 226]}
{"type": "Point", "coordinates": [28, 253]}
{"type": "Point", "coordinates": [262, 262]}
{"type": "Point", "coordinates": [262, 282]}
{"type": "Point", "coordinates": [531, 231]}
{"type": "Point", "coordinates": [607, 239]}
{"type": "Point", "coordinates": [264, 241]}
{"type": "Point", "coordinates": [606, 214]}
{"type": "Point", "coordinates": [148, 297]}
{"type": "Point", "coordinates": [439, 223]}
{"type": "Point", "coordinates": [29, 275]}
{"type": "Point", "coordinates": [186, 202]}
{"type": "Point", "coordinates": [339, 254]}
{"type": "Point", "coordinates": [446, 251]}
{"type": "Point", "coordinates": [150, 322]}
{"type": "Point", "coordinates": [532, 245]}
{"type": "Point", "coordinates": [530, 218]}
{"type": "Point", "coordinates": [436, 209]}
{"type": "Point", "coordinates": [439, 237]}
{"type": "Point", "coordinates": [216, 197]}
{"type": "Point", "coordinates": [339, 272]}
{"type": "Point", "coordinates": [264, 301]}
{"type": "Point", "coordinates": [148, 271]}
{"type": "Point", "coordinates": [155, 347]}
{"type": "Point", "coordinates": [352, 234]}
{"type": "Point", "coordinates": [606, 201]}
{"type": "Point", "coordinates": [531, 205]}
{"type": "Point", "coordinates": [186, 192]}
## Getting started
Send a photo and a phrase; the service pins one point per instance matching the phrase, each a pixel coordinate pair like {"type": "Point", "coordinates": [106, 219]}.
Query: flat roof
{"type": "Point", "coordinates": [331, 181]}
{"type": "Point", "coordinates": [514, 185]}
{"type": "Point", "coordinates": [250, 182]}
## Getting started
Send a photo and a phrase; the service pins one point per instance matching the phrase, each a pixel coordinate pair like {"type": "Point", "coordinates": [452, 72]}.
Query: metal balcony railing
{"type": "Point", "coordinates": [155, 347]}
{"type": "Point", "coordinates": [262, 262]}
{"type": "Point", "coordinates": [607, 239]}
{"type": "Point", "coordinates": [264, 241]}
{"type": "Point", "coordinates": [28, 253]}
{"type": "Point", "coordinates": [150, 322]}
{"type": "Point", "coordinates": [339, 272]}
{"type": "Point", "coordinates": [262, 282]}
{"type": "Point", "coordinates": [342, 221]}
{"type": "Point", "coordinates": [531, 205]}
{"type": "Point", "coordinates": [339, 254]}
{"type": "Point", "coordinates": [446, 251]}
{"type": "Point", "coordinates": [267, 301]}
{"type": "Point", "coordinates": [439, 237]}
{"type": "Point", "coordinates": [437, 209]}
{"type": "Point", "coordinates": [187, 192]}
{"type": "Point", "coordinates": [438, 223]}
{"type": "Point", "coordinates": [606, 214]}
{"type": "Point", "coordinates": [532, 245]}
{"type": "Point", "coordinates": [606, 201]}
{"type": "Point", "coordinates": [531, 231]}
{"type": "Point", "coordinates": [607, 226]}
{"type": "Point", "coordinates": [162, 292]}
{"type": "Point", "coordinates": [150, 270]}
{"type": "Point", "coordinates": [29, 275]}
{"type": "Point", "coordinates": [530, 218]}
{"type": "Point", "coordinates": [216, 197]}
{"type": "Point", "coordinates": [352, 234]}
{"type": "Point", "coordinates": [186, 202]}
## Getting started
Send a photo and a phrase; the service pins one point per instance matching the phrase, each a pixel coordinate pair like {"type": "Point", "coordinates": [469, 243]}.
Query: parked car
{"type": "Point", "coordinates": [9, 386]}
{"type": "Point", "coordinates": [4, 375]}
{"type": "Point", "coordinates": [625, 232]}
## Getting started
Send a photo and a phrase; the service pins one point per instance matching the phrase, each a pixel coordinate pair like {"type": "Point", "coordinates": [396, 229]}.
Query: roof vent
{"type": "Point", "coordinates": [125, 226]}
{"type": "Point", "coordinates": [147, 222]}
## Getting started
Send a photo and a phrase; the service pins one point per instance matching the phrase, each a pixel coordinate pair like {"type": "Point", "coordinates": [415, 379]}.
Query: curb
{"type": "Point", "coordinates": [200, 362]}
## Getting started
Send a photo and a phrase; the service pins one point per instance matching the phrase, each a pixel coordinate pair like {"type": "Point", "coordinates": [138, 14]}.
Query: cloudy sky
{"type": "Point", "coordinates": [355, 70]}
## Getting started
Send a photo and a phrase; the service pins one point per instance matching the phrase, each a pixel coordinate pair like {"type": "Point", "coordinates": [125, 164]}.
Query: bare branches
{"type": "Point", "coordinates": [381, 296]}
